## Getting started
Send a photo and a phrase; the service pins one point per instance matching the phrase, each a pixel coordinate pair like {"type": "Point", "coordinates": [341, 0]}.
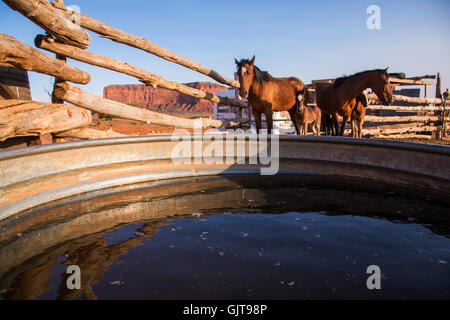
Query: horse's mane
{"type": "Point", "coordinates": [342, 79]}
{"type": "Point", "coordinates": [260, 76]}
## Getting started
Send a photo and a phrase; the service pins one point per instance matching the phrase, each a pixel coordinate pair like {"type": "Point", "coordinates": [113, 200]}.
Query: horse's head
{"type": "Point", "coordinates": [382, 88]}
{"type": "Point", "coordinates": [246, 75]}
{"type": "Point", "coordinates": [300, 100]}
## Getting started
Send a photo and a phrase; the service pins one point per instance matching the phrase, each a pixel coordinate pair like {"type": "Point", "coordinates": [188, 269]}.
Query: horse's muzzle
{"type": "Point", "coordinates": [244, 94]}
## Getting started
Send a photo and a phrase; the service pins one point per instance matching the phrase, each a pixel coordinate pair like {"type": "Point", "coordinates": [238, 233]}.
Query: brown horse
{"type": "Point", "coordinates": [336, 99]}
{"type": "Point", "coordinates": [358, 114]}
{"type": "Point", "coordinates": [267, 94]}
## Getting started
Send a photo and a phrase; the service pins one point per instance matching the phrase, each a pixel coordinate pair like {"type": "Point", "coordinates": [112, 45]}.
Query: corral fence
{"type": "Point", "coordinates": [66, 37]}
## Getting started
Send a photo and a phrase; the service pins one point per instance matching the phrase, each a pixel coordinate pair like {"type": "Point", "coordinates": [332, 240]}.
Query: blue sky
{"type": "Point", "coordinates": [306, 39]}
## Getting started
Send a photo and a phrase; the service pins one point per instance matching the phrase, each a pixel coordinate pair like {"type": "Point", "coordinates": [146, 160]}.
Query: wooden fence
{"type": "Point", "coordinates": [69, 40]}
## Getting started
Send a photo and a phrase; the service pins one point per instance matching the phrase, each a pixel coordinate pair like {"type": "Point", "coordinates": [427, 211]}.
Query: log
{"type": "Point", "coordinates": [401, 118]}
{"type": "Point", "coordinates": [378, 131]}
{"type": "Point", "coordinates": [403, 136]}
{"type": "Point", "coordinates": [52, 20]}
{"type": "Point", "coordinates": [89, 133]}
{"type": "Point", "coordinates": [422, 77]}
{"type": "Point", "coordinates": [409, 81]}
{"type": "Point", "coordinates": [75, 95]}
{"type": "Point", "coordinates": [120, 36]}
{"type": "Point", "coordinates": [29, 118]}
{"type": "Point", "coordinates": [16, 54]}
{"type": "Point", "coordinates": [149, 78]}
{"type": "Point", "coordinates": [410, 99]}
{"type": "Point", "coordinates": [405, 109]}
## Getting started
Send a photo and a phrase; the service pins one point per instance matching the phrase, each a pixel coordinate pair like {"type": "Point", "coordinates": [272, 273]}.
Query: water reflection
{"type": "Point", "coordinates": [94, 257]}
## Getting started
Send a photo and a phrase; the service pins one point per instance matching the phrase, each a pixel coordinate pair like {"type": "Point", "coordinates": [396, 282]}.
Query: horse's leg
{"type": "Point", "coordinates": [343, 124]}
{"type": "Point", "coordinates": [269, 120]}
{"type": "Point", "coordinates": [361, 122]}
{"type": "Point", "coordinates": [335, 124]}
{"type": "Point", "coordinates": [354, 133]}
{"type": "Point", "coordinates": [326, 124]}
{"type": "Point", "coordinates": [317, 125]}
{"type": "Point", "coordinates": [257, 116]}
{"type": "Point", "coordinates": [293, 115]}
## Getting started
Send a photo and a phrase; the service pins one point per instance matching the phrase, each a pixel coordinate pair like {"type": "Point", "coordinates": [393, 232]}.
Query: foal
{"type": "Point", "coordinates": [307, 114]}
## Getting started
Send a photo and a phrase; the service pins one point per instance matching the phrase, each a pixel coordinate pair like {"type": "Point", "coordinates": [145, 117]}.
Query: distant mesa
{"type": "Point", "coordinates": [163, 100]}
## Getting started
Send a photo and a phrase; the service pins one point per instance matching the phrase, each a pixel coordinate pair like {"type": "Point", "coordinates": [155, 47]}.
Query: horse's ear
{"type": "Point", "coordinates": [252, 61]}
{"type": "Point", "coordinates": [386, 70]}
{"type": "Point", "coordinates": [236, 60]}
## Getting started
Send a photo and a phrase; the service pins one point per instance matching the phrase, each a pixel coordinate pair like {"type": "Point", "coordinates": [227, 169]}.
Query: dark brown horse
{"type": "Point", "coordinates": [267, 94]}
{"type": "Point", "coordinates": [337, 99]}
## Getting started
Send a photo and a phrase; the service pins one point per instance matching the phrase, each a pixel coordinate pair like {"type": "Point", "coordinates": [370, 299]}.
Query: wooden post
{"type": "Point", "coordinates": [149, 78]}
{"type": "Point", "coordinates": [16, 54]}
{"type": "Point", "coordinates": [87, 100]}
{"type": "Point", "coordinates": [29, 118]}
{"type": "Point", "coordinates": [52, 20]}
{"type": "Point", "coordinates": [440, 133]}
{"type": "Point", "coordinates": [438, 86]}
{"type": "Point", "coordinates": [120, 36]}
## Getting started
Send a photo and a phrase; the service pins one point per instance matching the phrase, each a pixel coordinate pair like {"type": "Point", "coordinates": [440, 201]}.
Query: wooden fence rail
{"type": "Point", "coordinates": [75, 95]}
{"type": "Point", "coordinates": [19, 55]}
{"type": "Point", "coordinates": [149, 78]}
{"type": "Point", "coordinates": [123, 37]}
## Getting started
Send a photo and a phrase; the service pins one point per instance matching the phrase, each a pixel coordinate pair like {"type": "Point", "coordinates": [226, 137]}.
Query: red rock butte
{"type": "Point", "coordinates": [160, 99]}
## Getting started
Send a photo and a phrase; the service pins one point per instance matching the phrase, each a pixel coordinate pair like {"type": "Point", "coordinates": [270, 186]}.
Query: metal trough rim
{"type": "Point", "coordinates": [15, 153]}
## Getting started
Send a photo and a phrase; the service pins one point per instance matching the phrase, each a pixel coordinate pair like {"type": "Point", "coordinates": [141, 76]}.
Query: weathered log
{"type": "Point", "coordinates": [410, 99]}
{"type": "Point", "coordinates": [75, 95]}
{"type": "Point", "coordinates": [405, 109]}
{"type": "Point", "coordinates": [401, 118]}
{"type": "Point", "coordinates": [409, 81]}
{"type": "Point", "coordinates": [28, 118]}
{"type": "Point", "coordinates": [19, 55]}
{"type": "Point", "coordinates": [403, 136]}
{"type": "Point", "coordinates": [120, 36]}
{"type": "Point", "coordinates": [89, 133]}
{"type": "Point", "coordinates": [53, 21]}
{"type": "Point", "coordinates": [428, 76]}
{"type": "Point", "coordinates": [149, 78]}
{"type": "Point", "coordinates": [385, 131]}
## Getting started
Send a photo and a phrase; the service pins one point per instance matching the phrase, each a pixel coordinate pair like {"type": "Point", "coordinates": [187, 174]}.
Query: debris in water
{"type": "Point", "coordinates": [291, 283]}
{"type": "Point", "coordinates": [221, 253]}
{"type": "Point", "coordinates": [442, 261]}
{"type": "Point", "coordinates": [117, 283]}
{"type": "Point", "coordinates": [244, 234]}
{"type": "Point", "coordinates": [197, 215]}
